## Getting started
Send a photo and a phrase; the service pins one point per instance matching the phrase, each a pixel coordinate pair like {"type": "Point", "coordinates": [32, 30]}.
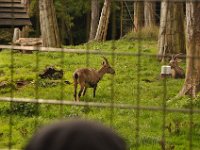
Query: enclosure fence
{"type": "Point", "coordinates": [111, 104]}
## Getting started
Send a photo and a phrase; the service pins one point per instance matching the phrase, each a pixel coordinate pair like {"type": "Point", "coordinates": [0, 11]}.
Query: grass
{"type": "Point", "coordinates": [25, 118]}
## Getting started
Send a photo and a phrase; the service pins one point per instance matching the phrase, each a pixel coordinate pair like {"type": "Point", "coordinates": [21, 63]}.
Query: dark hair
{"type": "Point", "coordinates": [76, 135]}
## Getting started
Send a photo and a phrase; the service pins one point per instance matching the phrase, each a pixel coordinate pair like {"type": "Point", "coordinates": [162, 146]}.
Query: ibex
{"type": "Point", "coordinates": [177, 71]}
{"type": "Point", "coordinates": [88, 77]}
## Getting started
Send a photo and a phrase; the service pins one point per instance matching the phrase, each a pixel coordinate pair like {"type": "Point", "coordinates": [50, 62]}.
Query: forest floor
{"type": "Point", "coordinates": [137, 79]}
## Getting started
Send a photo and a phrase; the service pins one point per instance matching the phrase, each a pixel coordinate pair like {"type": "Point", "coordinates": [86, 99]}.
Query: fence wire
{"type": "Point", "coordinates": [113, 104]}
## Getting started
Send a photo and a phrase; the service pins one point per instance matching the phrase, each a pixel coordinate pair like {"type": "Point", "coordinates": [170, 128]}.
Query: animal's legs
{"type": "Point", "coordinates": [94, 91]}
{"type": "Point", "coordinates": [81, 90]}
{"type": "Point", "coordinates": [84, 91]}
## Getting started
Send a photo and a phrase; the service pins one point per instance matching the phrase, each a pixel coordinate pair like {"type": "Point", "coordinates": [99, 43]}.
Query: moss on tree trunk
{"type": "Point", "coordinates": [48, 24]}
{"type": "Point", "coordinates": [171, 34]}
{"type": "Point", "coordinates": [103, 22]}
{"type": "Point", "coordinates": [192, 81]}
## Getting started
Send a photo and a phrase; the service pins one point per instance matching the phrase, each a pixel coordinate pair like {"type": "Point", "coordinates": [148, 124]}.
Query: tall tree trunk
{"type": "Point", "coordinates": [149, 14]}
{"type": "Point", "coordinates": [37, 17]}
{"type": "Point", "coordinates": [192, 80]}
{"type": "Point", "coordinates": [48, 24]}
{"type": "Point", "coordinates": [138, 15]}
{"type": "Point", "coordinates": [103, 22]}
{"type": "Point", "coordinates": [94, 19]}
{"type": "Point", "coordinates": [171, 34]}
{"type": "Point", "coordinates": [25, 32]}
{"type": "Point", "coordinates": [16, 34]}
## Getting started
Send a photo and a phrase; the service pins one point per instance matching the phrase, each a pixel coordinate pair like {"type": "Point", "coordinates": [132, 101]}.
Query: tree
{"type": "Point", "coordinates": [25, 30]}
{"type": "Point", "coordinates": [138, 15]}
{"type": "Point", "coordinates": [16, 34]}
{"type": "Point", "coordinates": [103, 22]}
{"type": "Point", "coordinates": [94, 19]}
{"type": "Point", "coordinates": [48, 24]}
{"type": "Point", "coordinates": [192, 80]}
{"type": "Point", "coordinates": [171, 34]}
{"type": "Point", "coordinates": [149, 14]}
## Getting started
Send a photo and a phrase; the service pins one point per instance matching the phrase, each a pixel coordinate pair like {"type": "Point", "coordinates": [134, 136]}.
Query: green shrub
{"type": "Point", "coordinates": [146, 33]}
{"type": "Point", "coordinates": [24, 109]}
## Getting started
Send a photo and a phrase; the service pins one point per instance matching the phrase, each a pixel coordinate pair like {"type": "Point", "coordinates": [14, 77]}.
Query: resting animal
{"type": "Point", "coordinates": [177, 71]}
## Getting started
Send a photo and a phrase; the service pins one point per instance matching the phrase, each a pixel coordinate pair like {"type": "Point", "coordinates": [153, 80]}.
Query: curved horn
{"type": "Point", "coordinates": [105, 59]}
{"type": "Point", "coordinates": [177, 55]}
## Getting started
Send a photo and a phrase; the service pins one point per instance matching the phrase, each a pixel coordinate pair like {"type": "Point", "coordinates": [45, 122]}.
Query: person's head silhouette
{"type": "Point", "coordinates": [76, 135]}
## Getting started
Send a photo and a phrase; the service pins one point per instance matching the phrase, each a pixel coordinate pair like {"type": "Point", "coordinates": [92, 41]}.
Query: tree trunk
{"type": "Point", "coordinates": [48, 24]}
{"type": "Point", "coordinates": [150, 14]}
{"type": "Point", "coordinates": [94, 19]}
{"type": "Point", "coordinates": [16, 34]}
{"type": "Point", "coordinates": [103, 22]}
{"type": "Point", "coordinates": [171, 34]}
{"type": "Point", "coordinates": [138, 15]}
{"type": "Point", "coordinates": [25, 32]}
{"type": "Point", "coordinates": [192, 80]}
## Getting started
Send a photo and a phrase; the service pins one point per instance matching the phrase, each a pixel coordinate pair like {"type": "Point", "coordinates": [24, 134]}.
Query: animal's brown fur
{"type": "Point", "coordinates": [177, 71]}
{"type": "Point", "coordinates": [88, 77]}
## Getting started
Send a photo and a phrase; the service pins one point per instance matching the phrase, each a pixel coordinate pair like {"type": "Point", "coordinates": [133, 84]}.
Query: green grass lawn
{"type": "Point", "coordinates": [132, 75]}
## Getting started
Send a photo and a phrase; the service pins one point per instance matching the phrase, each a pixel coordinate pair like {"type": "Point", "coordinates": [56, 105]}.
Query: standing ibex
{"type": "Point", "coordinates": [88, 77]}
{"type": "Point", "coordinates": [177, 71]}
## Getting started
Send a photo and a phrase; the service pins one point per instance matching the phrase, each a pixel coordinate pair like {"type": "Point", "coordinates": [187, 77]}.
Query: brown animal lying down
{"type": "Point", "coordinates": [76, 135]}
{"type": "Point", "coordinates": [177, 71]}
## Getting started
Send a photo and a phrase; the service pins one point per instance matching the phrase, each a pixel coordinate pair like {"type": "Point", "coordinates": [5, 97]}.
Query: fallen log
{"type": "Point", "coordinates": [28, 42]}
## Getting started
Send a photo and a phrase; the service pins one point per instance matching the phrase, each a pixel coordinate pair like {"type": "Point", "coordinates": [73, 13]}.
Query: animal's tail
{"type": "Point", "coordinates": [75, 76]}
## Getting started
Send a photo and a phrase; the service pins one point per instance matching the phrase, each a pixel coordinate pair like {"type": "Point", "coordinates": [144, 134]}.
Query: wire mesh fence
{"type": "Point", "coordinates": [136, 101]}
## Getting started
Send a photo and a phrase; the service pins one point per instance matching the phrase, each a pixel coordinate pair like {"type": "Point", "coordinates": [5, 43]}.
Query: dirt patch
{"type": "Point", "coordinates": [21, 83]}
{"type": "Point", "coordinates": [16, 84]}
{"type": "Point", "coordinates": [51, 73]}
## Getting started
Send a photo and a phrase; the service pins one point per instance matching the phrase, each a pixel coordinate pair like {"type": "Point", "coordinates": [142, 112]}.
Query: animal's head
{"type": "Point", "coordinates": [174, 61]}
{"type": "Point", "coordinates": [107, 67]}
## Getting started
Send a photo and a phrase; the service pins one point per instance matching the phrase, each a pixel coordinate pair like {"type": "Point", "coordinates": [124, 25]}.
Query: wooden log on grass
{"type": "Point", "coordinates": [29, 42]}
